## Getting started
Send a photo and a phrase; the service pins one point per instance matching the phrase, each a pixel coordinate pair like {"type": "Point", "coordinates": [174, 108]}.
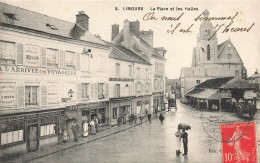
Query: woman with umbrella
{"type": "Point", "coordinates": [178, 141]}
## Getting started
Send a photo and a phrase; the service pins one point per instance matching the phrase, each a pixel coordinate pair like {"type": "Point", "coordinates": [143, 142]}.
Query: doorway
{"type": "Point", "coordinates": [33, 140]}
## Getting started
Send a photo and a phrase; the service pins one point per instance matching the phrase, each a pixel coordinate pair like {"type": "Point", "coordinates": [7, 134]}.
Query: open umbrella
{"type": "Point", "coordinates": [184, 126]}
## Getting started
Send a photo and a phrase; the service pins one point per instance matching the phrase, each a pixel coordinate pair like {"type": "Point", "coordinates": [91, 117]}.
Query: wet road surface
{"type": "Point", "coordinates": [155, 142]}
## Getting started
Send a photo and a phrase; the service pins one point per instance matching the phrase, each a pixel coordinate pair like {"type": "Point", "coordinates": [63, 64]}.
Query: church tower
{"type": "Point", "coordinates": [207, 43]}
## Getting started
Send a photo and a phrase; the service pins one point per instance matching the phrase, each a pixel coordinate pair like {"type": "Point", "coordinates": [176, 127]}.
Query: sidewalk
{"type": "Point", "coordinates": [54, 148]}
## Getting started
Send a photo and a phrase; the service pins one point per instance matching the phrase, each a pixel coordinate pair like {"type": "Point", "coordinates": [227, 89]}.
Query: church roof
{"type": "Point", "coordinates": [202, 72]}
{"type": "Point", "coordinates": [39, 23]}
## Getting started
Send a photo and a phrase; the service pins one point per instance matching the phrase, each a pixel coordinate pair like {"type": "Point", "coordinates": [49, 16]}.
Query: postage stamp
{"type": "Point", "coordinates": [239, 143]}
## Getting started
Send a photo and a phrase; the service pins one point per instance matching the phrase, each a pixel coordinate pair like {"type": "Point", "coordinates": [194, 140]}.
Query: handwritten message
{"type": "Point", "coordinates": [226, 26]}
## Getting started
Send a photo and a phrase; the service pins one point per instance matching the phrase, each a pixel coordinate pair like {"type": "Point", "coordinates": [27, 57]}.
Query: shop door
{"type": "Point", "coordinates": [33, 138]}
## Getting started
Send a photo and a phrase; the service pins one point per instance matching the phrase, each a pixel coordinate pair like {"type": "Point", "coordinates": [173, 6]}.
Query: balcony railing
{"type": "Point", "coordinates": [7, 61]}
{"type": "Point", "coordinates": [52, 65]}
{"type": "Point", "coordinates": [101, 96]}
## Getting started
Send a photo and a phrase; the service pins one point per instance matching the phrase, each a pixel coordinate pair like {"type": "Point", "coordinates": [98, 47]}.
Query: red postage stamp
{"type": "Point", "coordinates": [239, 143]}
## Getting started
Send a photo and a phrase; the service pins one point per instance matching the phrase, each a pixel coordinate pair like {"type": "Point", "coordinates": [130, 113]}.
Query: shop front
{"type": "Point", "coordinates": [99, 110]}
{"type": "Point", "coordinates": [142, 104]}
{"type": "Point", "coordinates": [24, 132]}
{"type": "Point", "coordinates": [158, 102]}
{"type": "Point", "coordinates": [121, 108]}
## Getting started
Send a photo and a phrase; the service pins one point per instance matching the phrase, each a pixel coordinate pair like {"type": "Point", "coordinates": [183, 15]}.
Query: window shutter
{"type": "Point", "coordinates": [43, 56]}
{"type": "Point", "coordinates": [92, 91]}
{"type": "Point", "coordinates": [19, 54]}
{"type": "Point", "coordinates": [79, 91]}
{"type": "Point", "coordinates": [20, 101]}
{"type": "Point", "coordinates": [96, 90]}
{"type": "Point", "coordinates": [107, 91]}
{"type": "Point", "coordinates": [115, 90]}
{"type": "Point", "coordinates": [136, 89]}
{"type": "Point", "coordinates": [78, 61]}
{"type": "Point", "coordinates": [44, 96]}
{"type": "Point", "coordinates": [60, 59]}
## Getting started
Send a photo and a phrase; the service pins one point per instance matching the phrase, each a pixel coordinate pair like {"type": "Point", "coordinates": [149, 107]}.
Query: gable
{"type": "Point", "coordinates": [227, 53]}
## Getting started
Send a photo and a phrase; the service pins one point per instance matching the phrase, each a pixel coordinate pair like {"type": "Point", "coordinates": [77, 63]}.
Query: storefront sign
{"type": "Point", "coordinates": [120, 79]}
{"type": "Point", "coordinates": [72, 107]}
{"type": "Point", "coordinates": [32, 70]}
{"type": "Point", "coordinates": [30, 116]}
{"type": "Point", "coordinates": [7, 94]}
{"type": "Point", "coordinates": [52, 94]}
{"type": "Point", "coordinates": [93, 105]}
{"type": "Point", "coordinates": [32, 55]}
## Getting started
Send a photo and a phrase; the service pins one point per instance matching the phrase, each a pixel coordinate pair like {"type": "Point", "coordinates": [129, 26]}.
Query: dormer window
{"type": "Point", "coordinates": [51, 26]}
{"type": "Point", "coordinates": [10, 18]}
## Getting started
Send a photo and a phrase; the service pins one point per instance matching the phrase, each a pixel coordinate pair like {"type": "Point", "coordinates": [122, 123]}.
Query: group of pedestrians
{"type": "Point", "coordinates": [64, 135]}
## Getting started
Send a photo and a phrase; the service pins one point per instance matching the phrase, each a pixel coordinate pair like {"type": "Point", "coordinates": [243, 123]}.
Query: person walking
{"type": "Point", "coordinates": [65, 136]}
{"type": "Point", "coordinates": [141, 118]}
{"type": "Point", "coordinates": [96, 123]}
{"type": "Point", "coordinates": [75, 129]}
{"type": "Point", "coordinates": [92, 127]}
{"type": "Point", "coordinates": [161, 118]}
{"type": "Point", "coordinates": [149, 117]}
{"type": "Point", "coordinates": [184, 137]}
{"type": "Point", "coordinates": [178, 142]}
{"type": "Point", "coordinates": [85, 128]}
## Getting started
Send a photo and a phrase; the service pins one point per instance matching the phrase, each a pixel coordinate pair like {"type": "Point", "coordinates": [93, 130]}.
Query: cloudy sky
{"type": "Point", "coordinates": [178, 45]}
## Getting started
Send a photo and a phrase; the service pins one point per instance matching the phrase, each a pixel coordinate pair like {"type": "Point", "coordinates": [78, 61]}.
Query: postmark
{"type": "Point", "coordinates": [239, 142]}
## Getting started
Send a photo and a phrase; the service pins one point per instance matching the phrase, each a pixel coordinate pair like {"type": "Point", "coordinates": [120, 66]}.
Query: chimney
{"type": "Point", "coordinates": [135, 27]}
{"type": "Point", "coordinates": [82, 20]}
{"type": "Point", "coordinates": [126, 42]}
{"type": "Point", "coordinates": [115, 31]}
{"type": "Point", "coordinates": [256, 71]}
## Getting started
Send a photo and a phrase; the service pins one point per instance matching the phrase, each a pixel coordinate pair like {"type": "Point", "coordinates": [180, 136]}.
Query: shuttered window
{"type": "Point", "coordinates": [70, 60]}
{"type": "Point", "coordinates": [7, 53]}
{"type": "Point", "coordinates": [52, 58]}
{"type": "Point", "coordinates": [85, 91]}
{"type": "Point", "coordinates": [31, 95]}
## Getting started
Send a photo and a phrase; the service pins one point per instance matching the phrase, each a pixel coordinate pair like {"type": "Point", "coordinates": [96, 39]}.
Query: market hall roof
{"type": "Point", "coordinates": [238, 83]}
{"type": "Point", "coordinates": [28, 20]}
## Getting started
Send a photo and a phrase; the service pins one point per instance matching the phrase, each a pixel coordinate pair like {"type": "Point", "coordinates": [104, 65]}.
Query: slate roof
{"type": "Point", "coordinates": [37, 22]}
{"type": "Point", "coordinates": [207, 72]}
{"type": "Point", "coordinates": [151, 49]}
{"type": "Point", "coordinates": [122, 53]}
{"type": "Point", "coordinates": [211, 94]}
{"type": "Point", "coordinates": [238, 83]}
{"type": "Point", "coordinates": [213, 83]}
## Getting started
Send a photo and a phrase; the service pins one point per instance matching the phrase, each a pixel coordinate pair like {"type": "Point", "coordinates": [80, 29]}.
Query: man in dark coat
{"type": "Point", "coordinates": [184, 137]}
{"type": "Point", "coordinates": [75, 129]}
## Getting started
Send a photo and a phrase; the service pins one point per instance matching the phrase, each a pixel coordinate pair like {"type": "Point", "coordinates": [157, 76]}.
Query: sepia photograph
{"type": "Point", "coordinates": [136, 81]}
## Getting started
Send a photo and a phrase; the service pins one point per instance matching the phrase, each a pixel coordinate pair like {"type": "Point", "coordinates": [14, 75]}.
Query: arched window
{"type": "Point", "coordinates": [208, 52]}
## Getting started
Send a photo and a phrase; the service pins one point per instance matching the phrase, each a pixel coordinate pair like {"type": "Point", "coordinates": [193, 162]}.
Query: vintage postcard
{"type": "Point", "coordinates": [129, 81]}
